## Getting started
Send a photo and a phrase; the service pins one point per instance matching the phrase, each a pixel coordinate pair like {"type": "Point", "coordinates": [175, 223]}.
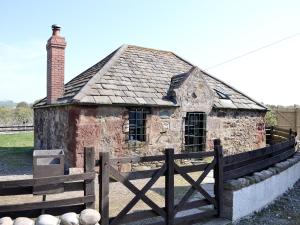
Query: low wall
{"type": "Point", "coordinates": [247, 195]}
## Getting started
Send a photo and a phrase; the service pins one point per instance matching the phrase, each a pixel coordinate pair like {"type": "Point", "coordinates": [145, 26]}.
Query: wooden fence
{"type": "Point", "coordinates": [281, 146]}
{"type": "Point", "coordinates": [225, 168]}
{"type": "Point", "coordinates": [168, 169]}
{"type": "Point", "coordinates": [277, 135]}
{"type": "Point", "coordinates": [77, 182]}
{"type": "Point", "coordinates": [288, 117]}
{"type": "Point", "coordinates": [18, 128]}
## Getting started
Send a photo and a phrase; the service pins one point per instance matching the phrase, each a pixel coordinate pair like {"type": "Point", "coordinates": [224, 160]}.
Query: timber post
{"type": "Point", "coordinates": [218, 175]}
{"type": "Point", "coordinates": [169, 184]}
{"type": "Point", "coordinates": [271, 135]}
{"type": "Point", "coordinates": [290, 134]}
{"type": "Point", "coordinates": [89, 165]}
{"type": "Point", "coordinates": [104, 187]}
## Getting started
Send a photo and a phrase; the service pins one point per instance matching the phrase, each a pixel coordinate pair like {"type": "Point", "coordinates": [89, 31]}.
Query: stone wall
{"type": "Point", "coordinates": [106, 128]}
{"type": "Point", "coordinates": [239, 130]}
{"type": "Point", "coordinates": [55, 128]}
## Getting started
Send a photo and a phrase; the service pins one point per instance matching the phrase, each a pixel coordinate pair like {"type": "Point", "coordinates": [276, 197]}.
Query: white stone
{"type": "Point", "coordinates": [47, 220]}
{"type": "Point", "coordinates": [6, 221]}
{"type": "Point", "coordinates": [23, 221]}
{"type": "Point", "coordinates": [89, 217]}
{"type": "Point", "coordinates": [69, 219]}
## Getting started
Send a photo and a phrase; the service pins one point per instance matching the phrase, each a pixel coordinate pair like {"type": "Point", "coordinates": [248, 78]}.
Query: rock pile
{"type": "Point", "coordinates": [86, 217]}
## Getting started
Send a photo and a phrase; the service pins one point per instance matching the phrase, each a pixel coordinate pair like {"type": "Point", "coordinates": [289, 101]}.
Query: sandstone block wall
{"type": "Point", "coordinates": [107, 129]}
{"type": "Point", "coordinates": [239, 130]}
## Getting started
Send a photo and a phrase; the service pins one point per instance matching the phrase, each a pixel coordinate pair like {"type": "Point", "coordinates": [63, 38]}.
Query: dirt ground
{"type": "Point", "coordinates": [284, 211]}
{"type": "Point", "coordinates": [119, 195]}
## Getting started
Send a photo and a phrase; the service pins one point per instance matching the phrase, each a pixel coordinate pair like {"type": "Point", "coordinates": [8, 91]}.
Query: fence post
{"type": "Point", "coordinates": [218, 175]}
{"type": "Point", "coordinates": [169, 187]}
{"type": "Point", "coordinates": [89, 165]}
{"type": "Point", "coordinates": [290, 133]}
{"type": "Point", "coordinates": [104, 187]}
{"type": "Point", "coordinates": [271, 135]}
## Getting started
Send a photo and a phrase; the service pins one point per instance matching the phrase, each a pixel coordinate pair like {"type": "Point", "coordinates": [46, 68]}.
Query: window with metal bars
{"type": "Point", "coordinates": [195, 131]}
{"type": "Point", "coordinates": [137, 124]}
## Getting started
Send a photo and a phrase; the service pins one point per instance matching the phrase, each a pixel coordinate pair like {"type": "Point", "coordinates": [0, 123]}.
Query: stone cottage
{"type": "Point", "coordinates": [139, 101]}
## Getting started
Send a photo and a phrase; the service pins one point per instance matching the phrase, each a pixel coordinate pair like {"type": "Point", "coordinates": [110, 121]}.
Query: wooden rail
{"type": "Point", "coordinates": [16, 128]}
{"type": "Point", "coordinates": [76, 182]}
{"type": "Point", "coordinates": [108, 173]}
{"type": "Point", "coordinates": [246, 163]}
{"type": "Point", "coordinates": [277, 135]}
{"type": "Point", "coordinates": [225, 168]}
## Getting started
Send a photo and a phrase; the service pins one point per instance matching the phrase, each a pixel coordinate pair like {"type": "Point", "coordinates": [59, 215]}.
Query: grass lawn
{"type": "Point", "coordinates": [23, 140]}
{"type": "Point", "coordinates": [16, 153]}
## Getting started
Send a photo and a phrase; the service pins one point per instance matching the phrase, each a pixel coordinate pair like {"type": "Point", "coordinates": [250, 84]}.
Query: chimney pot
{"type": "Point", "coordinates": [55, 30]}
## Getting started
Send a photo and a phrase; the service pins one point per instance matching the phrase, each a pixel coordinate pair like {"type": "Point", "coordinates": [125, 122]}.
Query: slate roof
{"type": "Point", "coordinates": [135, 75]}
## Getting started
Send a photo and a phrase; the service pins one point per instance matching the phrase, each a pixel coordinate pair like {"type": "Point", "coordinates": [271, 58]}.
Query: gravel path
{"type": "Point", "coordinates": [284, 211]}
{"type": "Point", "coordinates": [17, 162]}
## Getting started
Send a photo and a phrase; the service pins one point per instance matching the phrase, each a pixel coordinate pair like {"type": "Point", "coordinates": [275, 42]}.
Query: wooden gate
{"type": "Point", "coordinates": [108, 173]}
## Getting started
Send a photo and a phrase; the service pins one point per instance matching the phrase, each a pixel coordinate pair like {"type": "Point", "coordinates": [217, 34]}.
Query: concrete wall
{"type": "Point", "coordinates": [250, 199]}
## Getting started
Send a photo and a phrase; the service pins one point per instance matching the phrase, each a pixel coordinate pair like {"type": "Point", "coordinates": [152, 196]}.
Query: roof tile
{"type": "Point", "coordinates": [116, 99]}
{"type": "Point", "coordinates": [137, 75]}
{"type": "Point", "coordinates": [102, 100]}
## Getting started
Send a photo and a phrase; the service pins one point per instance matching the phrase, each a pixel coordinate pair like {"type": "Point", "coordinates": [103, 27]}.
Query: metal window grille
{"type": "Point", "coordinates": [195, 131]}
{"type": "Point", "coordinates": [137, 124]}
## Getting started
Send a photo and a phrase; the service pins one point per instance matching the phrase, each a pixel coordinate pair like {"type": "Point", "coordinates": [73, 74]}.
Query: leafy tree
{"type": "Point", "coordinates": [6, 116]}
{"type": "Point", "coordinates": [22, 104]}
{"type": "Point", "coordinates": [23, 115]}
{"type": "Point", "coordinates": [270, 118]}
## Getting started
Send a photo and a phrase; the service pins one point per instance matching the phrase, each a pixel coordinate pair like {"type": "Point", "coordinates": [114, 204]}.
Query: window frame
{"type": "Point", "coordinates": [222, 95]}
{"type": "Point", "coordinates": [195, 136]}
{"type": "Point", "coordinates": [137, 124]}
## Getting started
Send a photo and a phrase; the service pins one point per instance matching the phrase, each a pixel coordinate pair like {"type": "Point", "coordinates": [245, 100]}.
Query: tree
{"type": "Point", "coordinates": [22, 104]}
{"type": "Point", "coordinates": [6, 116]}
{"type": "Point", "coordinates": [270, 118]}
{"type": "Point", "coordinates": [23, 115]}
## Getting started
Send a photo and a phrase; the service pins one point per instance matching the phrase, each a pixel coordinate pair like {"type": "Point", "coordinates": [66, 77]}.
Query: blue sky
{"type": "Point", "coordinates": [203, 32]}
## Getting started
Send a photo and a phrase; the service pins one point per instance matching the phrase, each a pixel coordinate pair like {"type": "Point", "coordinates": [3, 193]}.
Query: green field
{"type": "Point", "coordinates": [22, 141]}
{"type": "Point", "coordinates": [16, 153]}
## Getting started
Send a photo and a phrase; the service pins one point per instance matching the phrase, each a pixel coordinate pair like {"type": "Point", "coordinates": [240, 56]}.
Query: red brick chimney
{"type": "Point", "coordinates": [55, 65]}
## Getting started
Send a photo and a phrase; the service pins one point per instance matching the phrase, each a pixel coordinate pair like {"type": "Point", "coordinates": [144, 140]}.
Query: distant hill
{"type": "Point", "coordinates": [7, 103]}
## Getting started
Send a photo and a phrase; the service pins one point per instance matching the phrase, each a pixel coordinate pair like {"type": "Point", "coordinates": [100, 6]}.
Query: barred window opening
{"type": "Point", "coordinates": [195, 132]}
{"type": "Point", "coordinates": [137, 124]}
